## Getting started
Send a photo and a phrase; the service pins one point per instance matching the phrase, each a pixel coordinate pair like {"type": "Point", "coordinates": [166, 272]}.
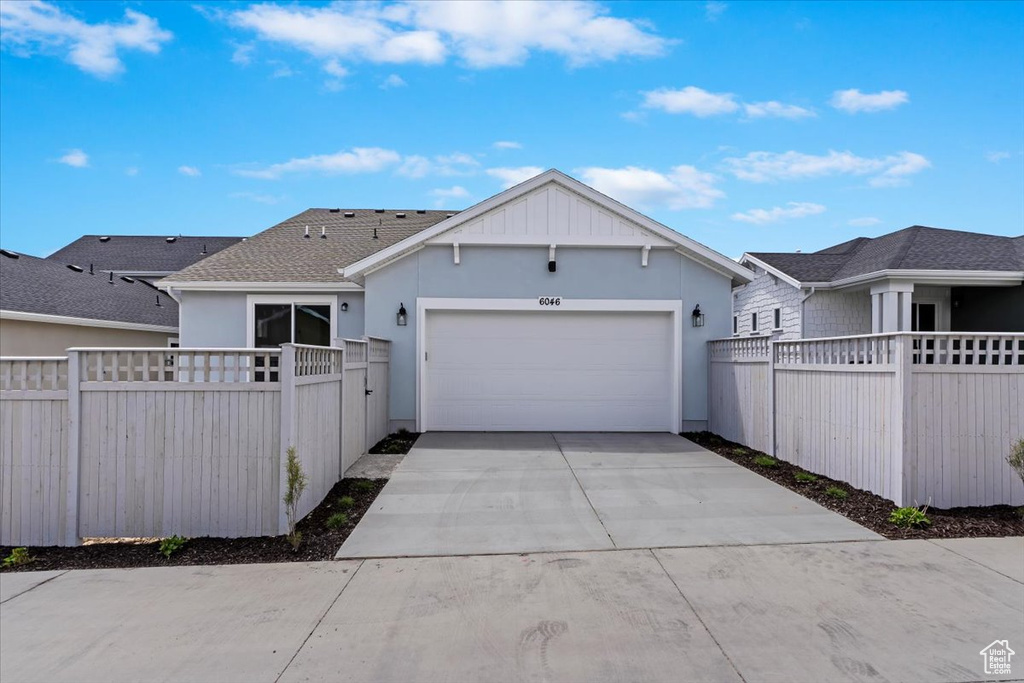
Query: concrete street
{"type": "Point", "coordinates": [485, 493]}
{"type": "Point", "coordinates": [852, 611]}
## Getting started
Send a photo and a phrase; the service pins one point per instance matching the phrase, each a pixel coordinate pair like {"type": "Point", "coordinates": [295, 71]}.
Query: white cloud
{"type": "Point", "coordinates": [442, 195]}
{"type": "Point", "coordinates": [393, 81]}
{"type": "Point", "coordinates": [683, 187]}
{"type": "Point", "coordinates": [779, 213]}
{"type": "Point", "coordinates": [243, 54]}
{"type": "Point", "coordinates": [763, 167]}
{"type": "Point", "coordinates": [996, 157]}
{"type": "Point", "coordinates": [690, 100]}
{"type": "Point", "coordinates": [131, 171]}
{"type": "Point", "coordinates": [39, 27]}
{"type": "Point", "coordinates": [257, 197]}
{"type": "Point", "coordinates": [190, 171]}
{"type": "Point", "coordinates": [507, 144]}
{"type": "Point", "coordinates": [773, 109]}
{"type": "Point", "coordinates": [281, 71]}
{"type": "Point", "coordinates": [481, 34]}
{"type": "Point", "coordinates": [853, 101]}
{"type": "Point", "coordinates": [865, 222]}
{"type": "Point", "coordinates": [455, 164]}
{"type": "Point", "coordinates": [358, 160]}
{"type": "Point", "coordinates": [714, 9]}
{"type": "Point", "coordinates": [514, 176]}
{"type": "Point", "coordinates": [76, 158]}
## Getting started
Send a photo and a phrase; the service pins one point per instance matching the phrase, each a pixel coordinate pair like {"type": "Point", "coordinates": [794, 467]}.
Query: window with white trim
{"type": "Point", "coordinates": [275, 319]}
{"type": "Point", "coordinates": [753, 322]}
{"type": "Point", "coordinates": [735, 324]}
{"type": "Point", "coordinates": [777, 319]}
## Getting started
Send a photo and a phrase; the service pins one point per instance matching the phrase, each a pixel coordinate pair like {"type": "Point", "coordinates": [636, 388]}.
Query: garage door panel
{"type": "Point", "coordinates": [548, 371]}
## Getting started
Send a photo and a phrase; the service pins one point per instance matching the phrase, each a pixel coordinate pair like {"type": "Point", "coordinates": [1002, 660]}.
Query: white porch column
{"type": "Point", "coordinates": [890, 306]}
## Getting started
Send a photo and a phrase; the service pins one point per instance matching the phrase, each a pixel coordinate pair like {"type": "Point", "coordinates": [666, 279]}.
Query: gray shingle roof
{"type": "Point", "coordinates": [915, 248]}
{"type": "Point", "coordinates": [283, 253]}
{"type": "Point", "coordinates": [140, 253]}
{"type": "Point", "coordinates": [34, 285]}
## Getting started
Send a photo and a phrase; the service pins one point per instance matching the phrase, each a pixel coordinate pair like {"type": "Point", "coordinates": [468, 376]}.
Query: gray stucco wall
{"type": "Point", "coordinates": [521, 272]}
{"type": "Point", "coordinates": [218, 319]}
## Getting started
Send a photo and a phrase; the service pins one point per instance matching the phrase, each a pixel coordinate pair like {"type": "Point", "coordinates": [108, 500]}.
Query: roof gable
{"type": "Point", "coordinates": [552, 209]}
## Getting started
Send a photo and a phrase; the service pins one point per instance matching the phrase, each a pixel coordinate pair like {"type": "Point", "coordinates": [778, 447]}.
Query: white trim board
{"type": "Point", "coordinates": [671, 306]}
{"type": "Point", "coordinates": [85, 322]}
{"type": "Point", "coordinates": [225, 286]}
{"type": "Point", "coordinates": [400, 249]}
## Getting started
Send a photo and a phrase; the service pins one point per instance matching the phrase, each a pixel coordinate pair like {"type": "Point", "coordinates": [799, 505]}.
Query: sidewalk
{"type": "Point", "coordinates": [871, 610]}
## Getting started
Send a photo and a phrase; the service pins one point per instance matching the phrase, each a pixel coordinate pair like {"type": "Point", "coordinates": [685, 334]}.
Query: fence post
{"type": "Point", "coordinates": [72, 483]}
{"type": "Point", "coordinates": [771, 397]}
{"type": "Point", "coordinates": [287, 376]}
{"type": "Point", "coordinates": [341, 411]}
{"type": "Point", "coordinates": [898, 474]}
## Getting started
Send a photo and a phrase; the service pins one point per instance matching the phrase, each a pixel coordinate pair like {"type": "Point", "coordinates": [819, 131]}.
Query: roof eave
{"type": "Point", "coordinates": [85, 322]}
{"type": "Point", "coordinates": [231, 286]}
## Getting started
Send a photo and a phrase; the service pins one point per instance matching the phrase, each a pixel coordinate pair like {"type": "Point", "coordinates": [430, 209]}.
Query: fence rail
{"type": "Point", "coordinates": [156, 442]}
{"type": "Point", "coordinates": [922, 417]}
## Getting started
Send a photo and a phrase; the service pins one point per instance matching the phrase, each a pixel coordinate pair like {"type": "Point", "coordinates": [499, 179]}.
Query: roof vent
{"type": "Point", "coordinates": [350, 214]}
{"type": "Point", "coordinates": [128, 279]}
{"type": "Point", "coordinates": [110, 279]}
{"type": "Point", "coordinates": [8, 254]}
{"type": "Point", "coordinates": [334, 210]}
{"type": "Point", "coordinates": [421, 211]}
{"type": "Point", "coordinates": [375, 233]}
{"type": "Point", "coordinates": [158, 301]}
{"type": "Point", "coordinates": [171, 240]}
{"type": "Point", "coordinates": [378, 210]}
{"type": "Point", "coordinates": [306, 235]}
{"type": "Point", "coordinates": [323, 232]}
{"type": "Point", "coordinates": [90, 270]}
{"type": "Point", "coordinates": [400, 214]}
{"type": "Point", "coordinates": [204, 249]}
{"type": "Point", "coordinates": [450, 215]}
{"type": "Point", "coordinates": [77, 269]}
{"type": "Point", "coordinates": [105, 238]}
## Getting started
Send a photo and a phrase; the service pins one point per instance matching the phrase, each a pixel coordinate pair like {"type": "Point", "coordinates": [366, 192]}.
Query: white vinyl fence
{"type": "Point", "coordinates": [918, 418]}
{"type": "Point", "coordinates": [156, 442]}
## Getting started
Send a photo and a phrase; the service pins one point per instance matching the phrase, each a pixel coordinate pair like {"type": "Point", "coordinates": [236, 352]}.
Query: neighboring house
{"type": "Point", "coordinates": [148, 257]}
{"type": "Point", "coordinates": [546, 307]}
{"type": "Point", "coordinates": [916, 279]}
{"type": "Point", "coordinates": [47, 307]}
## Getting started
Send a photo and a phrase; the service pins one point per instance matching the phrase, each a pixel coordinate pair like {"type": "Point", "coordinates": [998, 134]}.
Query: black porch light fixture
{"type": "Point", "coordinates": [697, 317]}
{"type": "Point", "coordinates": [344, 307]}
{"type": "Point", "coordinates": [402, 319]}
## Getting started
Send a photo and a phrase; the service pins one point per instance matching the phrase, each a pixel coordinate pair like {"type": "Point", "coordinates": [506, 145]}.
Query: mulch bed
{"type": "Point", "coordinates": [398, 443]}
{"type": "Point", "coordinates": [867, 508]}
{"type": "Point", "coordinates": [318, 541]}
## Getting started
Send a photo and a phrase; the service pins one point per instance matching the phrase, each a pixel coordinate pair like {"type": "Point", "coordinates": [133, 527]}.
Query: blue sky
{"type": "Point", "coordinates": [747, 126]}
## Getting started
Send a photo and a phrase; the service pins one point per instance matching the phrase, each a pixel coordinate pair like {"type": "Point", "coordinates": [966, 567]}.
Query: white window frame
{"type": "Point", "coordinates": [252, 300]}
{"type": "Point", "coordinates": [672, 307]}
{"type": "Point", "coordinates": [735, 325]}
{"type": "Point", "coordinates": [753, 322]}
{"type": "Point", "coordinates": [776, 319]}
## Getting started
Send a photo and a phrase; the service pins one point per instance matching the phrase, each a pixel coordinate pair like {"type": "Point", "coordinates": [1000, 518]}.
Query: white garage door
{"type": "Point", "coordinates": [548, 370]}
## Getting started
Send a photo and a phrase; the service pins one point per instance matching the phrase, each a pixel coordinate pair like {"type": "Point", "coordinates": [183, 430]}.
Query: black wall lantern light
{"type": "Point", "coordinates": [697, 316]}
{"type": "Point", "coordinates": [344, 307]}
{"type": "Point", "coordinates": [402, 319]}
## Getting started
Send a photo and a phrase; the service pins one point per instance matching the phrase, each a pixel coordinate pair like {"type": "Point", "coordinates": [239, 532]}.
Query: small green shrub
{"type": "Point", "coordinates": [337, 520]}
{"type": "Point", "coordinates": [1016, 458]}
{"type": "Point", "coordinates": [765, 461]}
{"type": "Point", "coordinates": [363, 485]}
{"type": "Point", "coordinates": [740, 451]}
{"type": "Point", "coordinates": [169, 546]}
{"type": "Point", "coordinates": [403, 432]}
{"type": "Point", "coordinates": [805, 477]}
{"type": "Point", "coordinates": [295, 480]}
{"type": "Point", "coordinates": [345, 502]}
{"type": "Point", "coordinates": [837, 493]}
{"type": "Point", "coordinates": [18, 557]}
{"type": "Point", "coordinates": [909, 517]}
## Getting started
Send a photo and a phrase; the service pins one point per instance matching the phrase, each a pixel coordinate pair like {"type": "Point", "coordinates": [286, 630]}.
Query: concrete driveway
{"type": "Point", "coordinates": [493, 493]}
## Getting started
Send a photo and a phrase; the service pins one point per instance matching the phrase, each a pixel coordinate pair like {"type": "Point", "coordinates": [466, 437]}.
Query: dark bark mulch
{"type": "Point", "coordinates": [318, 541]}
{"type": "Point", "coordinates": [398, 443]}
{"type": "Point", "coordinates": [867, 508]}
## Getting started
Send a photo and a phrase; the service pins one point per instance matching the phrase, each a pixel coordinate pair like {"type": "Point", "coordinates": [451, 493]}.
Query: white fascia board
{"type": "Point", "coordinates": [84, 322]}
{"type": "Point", "coordinates": [992, 278]}
{"type": "Point", "coordinates": [571, 184]}
{"type": "Point", "coordinates": [747, 258]}
{"type": "Point", "coordinates": [225, 286]}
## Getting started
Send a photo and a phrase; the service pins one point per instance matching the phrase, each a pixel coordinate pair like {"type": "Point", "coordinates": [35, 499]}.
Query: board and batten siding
{"type": "Point", "coordinates": [158, 442]}
{"type": "Point", "coordinates": [918, 418]}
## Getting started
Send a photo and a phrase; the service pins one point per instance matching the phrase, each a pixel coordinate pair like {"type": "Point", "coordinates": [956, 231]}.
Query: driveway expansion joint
{"type": "Point", "coordinates": [29, 590]}
{"type": "Point", "coordinates": [584, 492]}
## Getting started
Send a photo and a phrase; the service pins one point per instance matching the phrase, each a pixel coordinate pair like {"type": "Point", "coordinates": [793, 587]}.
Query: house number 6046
{"type": "Point", "coordinates": [550, 301]}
